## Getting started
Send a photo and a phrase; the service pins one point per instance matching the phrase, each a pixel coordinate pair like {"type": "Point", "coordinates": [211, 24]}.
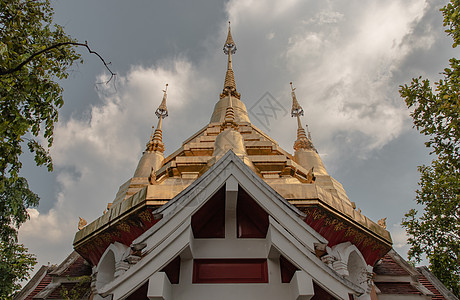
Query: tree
{"type": "Point", "coordinates": [435, 232]}
{"type": "Point", "coordinates": [35, 54]}
{"type": "Point", "coordinates": [15, 265]}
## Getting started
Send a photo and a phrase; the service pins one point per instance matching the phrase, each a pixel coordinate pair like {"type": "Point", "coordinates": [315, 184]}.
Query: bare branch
{"type": "Point", "coordinates": [57, 45]}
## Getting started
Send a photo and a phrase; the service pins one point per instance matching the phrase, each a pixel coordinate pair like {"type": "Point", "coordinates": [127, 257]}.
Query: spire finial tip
{"type": "Point", "coordinates": [296, 108]}
{"type": "Point", "coordinates": [162, 110]}
{"type": "Point", "coordinates": [229, 83]}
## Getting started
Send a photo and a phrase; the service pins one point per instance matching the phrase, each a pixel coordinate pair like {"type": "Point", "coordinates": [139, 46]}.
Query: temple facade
{"type": "Point", "coordinates": [232, 215]}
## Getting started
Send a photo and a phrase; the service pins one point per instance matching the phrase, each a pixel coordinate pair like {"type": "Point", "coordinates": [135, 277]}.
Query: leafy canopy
{"type": "Point", "coordinates": [435, 232]}
{"type": "Point", "coordinates": [30, 97]}
{"type": "Point", "coordinates": [15, 265]}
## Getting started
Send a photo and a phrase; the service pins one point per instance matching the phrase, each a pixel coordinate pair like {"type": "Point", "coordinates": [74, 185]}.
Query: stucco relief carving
{"type": "Point", "coordinates": [347, 260]}
{"type": "Point", "coordinates": [111, 265]}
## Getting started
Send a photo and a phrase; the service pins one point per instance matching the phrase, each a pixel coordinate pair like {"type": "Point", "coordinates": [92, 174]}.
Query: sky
{"type": "Point", "coordinates": [346, 59]}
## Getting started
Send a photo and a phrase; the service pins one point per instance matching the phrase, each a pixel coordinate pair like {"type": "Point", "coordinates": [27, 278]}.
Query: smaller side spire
{"type": "Point", "coordinates": [229, 83]}
{"type": "Point", "coordinates": [302, 142]}
{"type": "Point", "coordinates": [156, 139]}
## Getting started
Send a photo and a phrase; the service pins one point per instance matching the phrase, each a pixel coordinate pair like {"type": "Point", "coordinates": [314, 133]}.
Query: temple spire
{"type": "Point", "coordinates": [303, 141]}
{"type": "Point", "coordinates": [156, 139]}
{"type": "Point", "coordinates": [229, 83]}
{"type": "Point", "coordinates": [229, 121]}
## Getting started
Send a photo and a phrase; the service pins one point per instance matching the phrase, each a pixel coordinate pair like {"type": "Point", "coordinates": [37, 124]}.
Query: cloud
{"type": "Point", "coordinates": [259, 10]}
{"type": "Point", "coordinates": [326, 17]}
{"type": "Point", "coordinates": [48, 223]}
{"type": "Point", "coordinates": [92, 153]}
{"type": "Point", "coordinates": [399, 237]}
{"type": "Point", "coordinates": [341, 57]}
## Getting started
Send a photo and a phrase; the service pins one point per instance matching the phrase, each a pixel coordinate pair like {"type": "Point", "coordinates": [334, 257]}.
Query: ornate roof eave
{"type": "Point", "coordinates": [319, 212]}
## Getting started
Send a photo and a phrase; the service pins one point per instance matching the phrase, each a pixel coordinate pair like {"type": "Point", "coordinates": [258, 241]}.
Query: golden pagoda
{"type": "Point", "coordinates": [232, 215]}
{"type": "Point", "coordinates": [300, 178]}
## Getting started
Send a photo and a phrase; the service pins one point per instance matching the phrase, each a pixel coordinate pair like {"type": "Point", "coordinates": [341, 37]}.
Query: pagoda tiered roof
{"type": "Point", "coordinates": [299, 178]}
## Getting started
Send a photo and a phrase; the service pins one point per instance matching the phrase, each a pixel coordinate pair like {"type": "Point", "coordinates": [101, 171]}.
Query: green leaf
{"type": "Point", "coordinates": [30, 101]}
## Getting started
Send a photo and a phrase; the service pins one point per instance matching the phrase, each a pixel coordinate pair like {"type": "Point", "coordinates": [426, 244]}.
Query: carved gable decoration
{"type": "Point", "coordinates": [260, 228]}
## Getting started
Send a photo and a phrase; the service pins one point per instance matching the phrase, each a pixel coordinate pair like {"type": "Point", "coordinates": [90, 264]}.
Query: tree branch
{"type": "Point", "coordinates": [30, 58]}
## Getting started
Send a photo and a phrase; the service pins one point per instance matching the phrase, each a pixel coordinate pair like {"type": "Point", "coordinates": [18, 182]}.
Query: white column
{"type": "Point", "coordinates": [231, 197]}
{"type": "Point", "coordinates": [159, 287]}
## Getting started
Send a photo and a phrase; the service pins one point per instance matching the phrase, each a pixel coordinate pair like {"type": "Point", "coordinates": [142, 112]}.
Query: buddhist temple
{"type": "Point", "coordinates": [232, 215]}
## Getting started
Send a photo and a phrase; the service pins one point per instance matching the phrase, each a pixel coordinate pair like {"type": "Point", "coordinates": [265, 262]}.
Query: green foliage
{"type": "Point", "coordinates": [435, 232]}
{"type": "Point", "coordinates": [79, 290]}
{"type": "Point", "coordinates": [30, 97]}
{"type": "Point", "coordinates": [15, 198]}
{"type": "Point", "coordinates": [451, 13]}
{"type": "Point", "coordinates": [436, 113]}
{"type": "Point", "coordinates": [15, 265]}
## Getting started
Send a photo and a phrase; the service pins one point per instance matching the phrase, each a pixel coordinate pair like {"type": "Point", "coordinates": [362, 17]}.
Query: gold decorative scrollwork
{"type": "Point", "coordinates": [146, 216]}
{"type": "Point", "coordinates": [124, 227]}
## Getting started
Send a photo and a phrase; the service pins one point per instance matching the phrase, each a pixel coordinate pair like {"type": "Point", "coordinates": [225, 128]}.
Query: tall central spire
{"type": "Point", "coordinates": [229, 83]}
{"type": "Point", "coordinates": [302, 142]}
{"type": "Point", "coordinates": [230, 107]}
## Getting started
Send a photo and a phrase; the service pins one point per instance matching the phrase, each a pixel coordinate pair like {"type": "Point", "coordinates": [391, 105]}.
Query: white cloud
{"type": "Point", "coordinates": [399, 236]}
{"type": "Point", "coordinates": [347, 69]}
{"type": "Point", "coordinates": [47, 223]}
{"type": "Point", "coordinates": [341, 57]}
{"type": "Point", "coordinates": [260, 10]}
{"type": "Point", "coordinates": [326, 17]}
{"type": "Point", "coordinates": [93, 156]}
